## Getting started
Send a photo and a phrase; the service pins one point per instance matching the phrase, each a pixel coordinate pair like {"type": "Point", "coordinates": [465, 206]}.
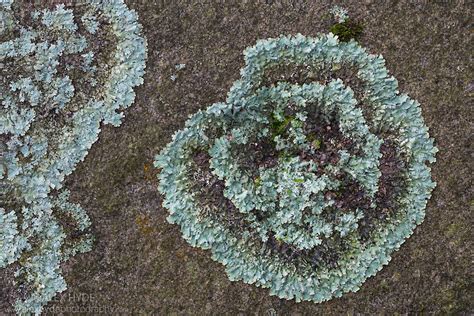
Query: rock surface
{"type": "Point", "coordinates": [140, 263]}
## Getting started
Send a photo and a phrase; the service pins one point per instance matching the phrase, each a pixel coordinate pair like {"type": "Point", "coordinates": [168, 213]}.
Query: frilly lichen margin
{"type": "Point", "coordinates": [33, 182]}
{"type": "Point", "coordinates": [241, 259]}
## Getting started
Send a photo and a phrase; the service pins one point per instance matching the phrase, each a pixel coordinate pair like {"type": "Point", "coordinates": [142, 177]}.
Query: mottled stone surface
{"type": "Point", "coordinates": [140, 263]}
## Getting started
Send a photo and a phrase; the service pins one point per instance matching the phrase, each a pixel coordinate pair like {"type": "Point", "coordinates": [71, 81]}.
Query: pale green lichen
{"type": "Point", "coordinates": [48, 124]}
{"type": "Point", "coordinates": [291, 202]}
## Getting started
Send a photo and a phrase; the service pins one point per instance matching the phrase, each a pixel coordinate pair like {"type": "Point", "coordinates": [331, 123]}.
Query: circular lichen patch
{"type": "Point", "coordinates": [306, 184]}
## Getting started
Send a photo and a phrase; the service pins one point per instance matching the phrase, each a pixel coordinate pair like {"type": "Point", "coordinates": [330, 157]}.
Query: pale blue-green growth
{"type": "Point", "coordinates": [302, 188]}
{"type": "Point", "coordinates": [180, 66]}
{"type": "Point", "coordinates": [90, 22]}
{"type": "Point", "coordinates": [11, 243]}
{"type": "Point", "coordinates": [339, 13]}
{"type": "Point", "coordinates": [50, 115]}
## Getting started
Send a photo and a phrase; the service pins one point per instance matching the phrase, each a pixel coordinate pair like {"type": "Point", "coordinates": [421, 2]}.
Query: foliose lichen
{"type": "Point", "coordinates": [303, 188]}
{"type": "Point", "coordinates": [60, 79]}
{"type": "Point", "coordinates": [339, 13]}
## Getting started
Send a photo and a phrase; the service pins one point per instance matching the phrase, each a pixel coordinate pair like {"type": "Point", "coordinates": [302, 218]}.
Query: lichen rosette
{"type": "Point", "coordinates": [310, 175]}
{"type": "Point", "coordinates": [63, 72]}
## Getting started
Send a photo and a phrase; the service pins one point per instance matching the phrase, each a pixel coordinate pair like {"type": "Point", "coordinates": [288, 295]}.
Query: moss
{"type": "Point", "coordinates": [347, 30]}
{"type": "Point", "coordinates": [316, 143]}
{"type": "Point", "coordinates": [279, 127]}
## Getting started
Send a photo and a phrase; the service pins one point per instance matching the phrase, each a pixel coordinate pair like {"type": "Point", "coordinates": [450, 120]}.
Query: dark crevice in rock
{"type": "Point", "coordinates": [391, 184]}
{"type": "Point", "coordinates": [257, 154]}
{"type": "Point", "coordinates": [211, 195]}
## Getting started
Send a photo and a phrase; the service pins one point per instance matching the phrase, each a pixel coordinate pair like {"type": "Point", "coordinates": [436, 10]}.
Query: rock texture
{"type": "Point", "coordinates": [140, 262]}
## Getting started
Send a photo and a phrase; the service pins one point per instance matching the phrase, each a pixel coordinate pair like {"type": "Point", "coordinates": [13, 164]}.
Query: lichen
{"type": "Point", "coordinates": [293, 186]}
{"type": "Point", "coordinates": [51, 114]}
